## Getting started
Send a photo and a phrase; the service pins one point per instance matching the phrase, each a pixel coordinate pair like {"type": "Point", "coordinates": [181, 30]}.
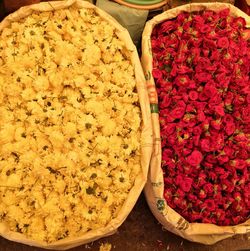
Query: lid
{"type": "Point", "coordinates": [143, 4]}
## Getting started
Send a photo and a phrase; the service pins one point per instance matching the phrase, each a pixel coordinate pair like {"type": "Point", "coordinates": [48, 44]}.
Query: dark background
{"type": "Point", "coordinates": [141, 231]}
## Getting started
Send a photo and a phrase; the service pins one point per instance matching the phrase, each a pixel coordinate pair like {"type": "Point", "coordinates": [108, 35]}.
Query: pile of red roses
{"type": "Point", "coordinates": [201, 67]}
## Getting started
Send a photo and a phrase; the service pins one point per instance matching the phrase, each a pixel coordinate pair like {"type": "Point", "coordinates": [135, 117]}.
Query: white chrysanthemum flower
{"type": "Point", "coordinates": [7, 134]}
{"type": "Point", "coordinates": [41, 83]}
{"type": "Point", "coordinates": [36, 229]}
{"type": "Point", "coordinates": [6, 116]}
{"type": "Point", "coordinates": [121, 180]}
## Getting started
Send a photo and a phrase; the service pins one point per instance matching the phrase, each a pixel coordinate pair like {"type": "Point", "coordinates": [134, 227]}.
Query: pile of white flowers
{"type": "Point", "coordinates": [69, 124]}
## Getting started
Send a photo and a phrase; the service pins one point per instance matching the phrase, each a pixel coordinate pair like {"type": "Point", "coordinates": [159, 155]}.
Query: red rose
{"type": "Point", "coordinates": [208, 188]}
{"type": "Point", "coordinates": [163, 84]}
{"type": "Point", "coordinates": [233, 47]}
{"type": "Point", "coordinates": [237, 219]}
{"type": "Point", "coordinates": [187, 24]}
{"type": "Point", "coordinates": [219, 109]}
{"type": "Point", "coordinates": [174, 69]}
{"type": "Point", "coordinates": [190, 144]}
{"type": "Point", "coordinates": [215, 100]}
{"type": "Point", "coordinates": [237, 115]}
{"type": "Point", "coordinates": [202, 194]}
{"type": "Point", "coordinates": [203, 96]}
{"type": "Point", "coordinates": [198, 20]}
{"type": "Point", "coordinates": [157, 73]}
{"type": "Point", "coordinates": [195, 158]}
{"type": "Point", "coordinates": [180, 193]}
{"type": "Point", "coordinates": [206, 52]}
{"type": "Point", "coordinates": [168, 26]}
{"type": "Point", "coordinates": [196, 139]}
{"type": "Point", "coordinates": [238, 100]}
{"type": "Point", "coordinates": [168, 180]}
{"type": "Point", "coordinates": [238, 22]}
{"type": "Point", "coordinates": [186, 184]}
{"type": "Point", "coordinates": [190, 108]}
{"type": "Point", "coordinates": [180, 58]}
{"type": "Point", "coordinates": [178, 179]}
{"type": "Point", "coordinates": [178, 112]}
{"type": "Point", "coordinates": [186, 151]}
{"type": "Point", "coordinates": [180, 202]}
{"type": "Point", "coordinates": [219, 170]}
{"type": "Point", "coordinates": [197, 130]}
{"type": "Point", "coordinates": [227, 185]}
{"type": "Point", "coordinates": [205, 124]}
{"type": "Point", "coordinates": [242, 81]}
{"type": "Point", "coordinates": [209, 204]}
{"type": "Point", "coordinates": [196, 54]}
{"type": "Point", "coordinates": [191, 84]}
{"type": "Point", "coordinates": [206, 65]}
{"type": "Point", "coordinates": [223, 80]}
{"type": "Point", "coordinates": [223, 42]}
{"type": "Point", "coordinates": [228, 119]}
{"type": "Point", "coordinates": [192, 197]}
{"type": "Point", "coordinates": [215, 55]}
{"type": "Point", "coordinates": [203, 76]}
{"type": "Point", "coordinates": [239, 164]}
{"type": "Point", "coordinates": [216, 124]}
{"type": "Point", "coordinates": [199, 105]}
{"type": "Point", "coordinates": [185, 97]}
{"type": "Point", "coordinates": [201, 116]}
{"type": "Point", "coordinates": [226, 222]}
{"type": "Point", "coordinates": [209, 43]}
{"type": "Point", "coordinates": [243, 154]}
{"type": "Point", "coordinates": [178, 99]}
{"type": "Point", "coordinates": [241, 137]}
{"type": "Point", "coordinates": [246, 114]}
{"type": "Point", "coordinates": [182, 80]}
{"type": "Point", "coordinates": [209, 15]}
{"type": "Point", "coordinates": [211, 159]}
{"type": "Point", "coordinates": [230, 128]}
{"type": "Point", "coordinates": [224, 175]}
{"type": "Point", "coordinates": [171, 203]}
{"type": "Point", "coordinates": [202, 177]}
{"type": "Point", "coordinates": [193, 95]}
{"type": "Point", "coordinates": [167, 153]}
{"type": "Point", "coordinates": [168, 162]}
{"type": "Point", "coordinates": [223, 159]}
{"type": "Point", "coordinates": [181, 17]}
{"type": "Point", "coordinates": [169, 128]}
{"type": "Point", "coordinates": [168, 194]}
{"type": "Point", "coordinates": [221, 68]}
{"type": "Point", "coordinates": [154, 43]}
{"type": "Point", "coordinates": [229, 98]}
{"type": "Point", "coordinates": [220, 214]}
{"type": "Point", "coordinates": [210, 89]}
{"type": "Point", "coordinates": [224, 13]}
{"type": "Point", "coordinates": [195, 216]}
{"type": "Point", "coordinates": [165, 102]}
{"type": "Point", "coordinates": [218, 141]}
{"type": "Point", "coordinates": [205, 28]}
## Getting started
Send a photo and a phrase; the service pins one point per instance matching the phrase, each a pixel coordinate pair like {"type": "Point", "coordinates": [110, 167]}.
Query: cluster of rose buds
{"type": "Point", "coordinates": [201, 65]}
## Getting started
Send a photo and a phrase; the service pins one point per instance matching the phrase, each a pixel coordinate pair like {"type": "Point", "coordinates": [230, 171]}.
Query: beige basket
{"type": "Point", "coordinates": [171, 220]}
{"type": "Point", "coordinates": [146, 135]}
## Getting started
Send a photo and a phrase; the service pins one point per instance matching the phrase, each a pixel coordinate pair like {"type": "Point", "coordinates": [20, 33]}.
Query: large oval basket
{"type": "Point", "coordinates": [154, 189]}
{"type": "Point", "coordinates": [145, 129]}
